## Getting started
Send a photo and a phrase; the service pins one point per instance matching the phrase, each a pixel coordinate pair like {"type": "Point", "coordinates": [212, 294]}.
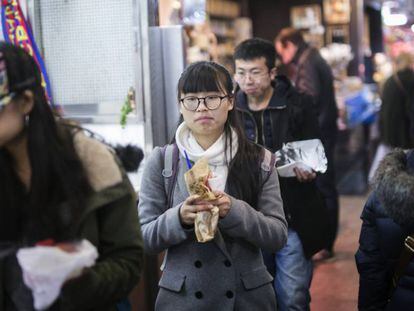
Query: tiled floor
{"type": "Point", "coordinates": [335, 283]}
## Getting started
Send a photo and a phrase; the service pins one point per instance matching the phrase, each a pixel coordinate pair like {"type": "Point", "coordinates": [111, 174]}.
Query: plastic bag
{"type": "Point", "coordinates": [305, 154]}
{"type": "Point", "coordinates": [361, 108]}
{"type": "Point", "coordinates": [46, 268]}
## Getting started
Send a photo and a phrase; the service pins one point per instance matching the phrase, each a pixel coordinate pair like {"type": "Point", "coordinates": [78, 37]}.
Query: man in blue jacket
{"type": "Point", "coordinates": [273, 113]}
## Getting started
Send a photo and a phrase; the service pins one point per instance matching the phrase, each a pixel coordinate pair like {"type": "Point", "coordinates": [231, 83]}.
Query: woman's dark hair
{"type": "Point", "coordinates": [244, 178]}
{"type": "Point", "coordinates": [58, 186]}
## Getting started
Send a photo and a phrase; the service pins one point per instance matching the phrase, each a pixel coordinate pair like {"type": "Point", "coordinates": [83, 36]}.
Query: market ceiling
{"type": "Point", "coordinates": [401, 11]}
{"type": "Point", "coordinates": [406, 5]}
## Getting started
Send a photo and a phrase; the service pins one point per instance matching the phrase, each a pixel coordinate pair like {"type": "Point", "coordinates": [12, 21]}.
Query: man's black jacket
{"type": "Point", "coordinates": [291, 116]}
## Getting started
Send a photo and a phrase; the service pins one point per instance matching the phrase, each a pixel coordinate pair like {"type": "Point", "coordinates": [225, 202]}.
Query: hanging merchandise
{"type": "Point", "coordinates": [17, 31]}
{"type": "Point", "coordinates": [362, 108]}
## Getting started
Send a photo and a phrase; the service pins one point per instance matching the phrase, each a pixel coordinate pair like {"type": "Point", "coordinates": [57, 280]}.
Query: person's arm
{"type": "Point", "coordinates": [308, 79]}
{"type": "Point", "coordinates": [161, 227]}
{"type": "Point", "coordinates": [307, 129]}
{"type": "Point", "coordinates": [372, 267]}
{"type": "Point", "coordinates": [264, 227]}
{"type": "Point", "coordinates": [120, 260]}
{"type": "Point", "coordinates": [310, 128]}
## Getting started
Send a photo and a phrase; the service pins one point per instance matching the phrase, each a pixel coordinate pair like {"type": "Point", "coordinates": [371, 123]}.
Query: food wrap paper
{"type": "Point", "coordinates": [205, 224]}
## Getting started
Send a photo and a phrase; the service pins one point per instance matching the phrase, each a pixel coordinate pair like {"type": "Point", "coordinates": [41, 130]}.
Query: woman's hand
{"type": "Point", "coordinates": [223, 202]}
{"type": "Point", "coordinates": [190, 207]}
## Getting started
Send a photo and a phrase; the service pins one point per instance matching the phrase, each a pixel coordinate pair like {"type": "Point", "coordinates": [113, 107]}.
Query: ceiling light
{"type": "Point", "coordinates": [395, 19]}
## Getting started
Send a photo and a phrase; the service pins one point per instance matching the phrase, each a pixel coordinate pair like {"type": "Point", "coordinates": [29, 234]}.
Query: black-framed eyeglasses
{"type": "Point", "coordinates": [212, 102]}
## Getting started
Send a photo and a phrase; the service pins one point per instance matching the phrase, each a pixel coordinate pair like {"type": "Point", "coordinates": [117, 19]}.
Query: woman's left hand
{"type": "Point", "coordinates": [223, 202]}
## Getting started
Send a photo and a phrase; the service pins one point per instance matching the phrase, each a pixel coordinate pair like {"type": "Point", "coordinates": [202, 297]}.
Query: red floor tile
{"type": "Point", "coordinates": [335, 282]}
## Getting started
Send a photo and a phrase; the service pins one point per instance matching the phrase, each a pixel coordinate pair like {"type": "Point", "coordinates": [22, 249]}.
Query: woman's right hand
{"type": "Point", "coordinates": [190, 207]}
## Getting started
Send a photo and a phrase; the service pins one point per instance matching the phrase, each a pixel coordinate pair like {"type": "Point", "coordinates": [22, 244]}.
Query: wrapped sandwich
{"type": "Point", "coordinates": [196, 178]}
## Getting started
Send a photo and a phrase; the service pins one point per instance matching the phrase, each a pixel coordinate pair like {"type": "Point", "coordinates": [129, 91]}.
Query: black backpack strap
{"type": "Point", "coordinates": [170, 171]}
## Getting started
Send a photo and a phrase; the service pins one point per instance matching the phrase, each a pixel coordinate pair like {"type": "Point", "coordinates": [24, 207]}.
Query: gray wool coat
{"type": "Point", "coordinates": [227, 273]}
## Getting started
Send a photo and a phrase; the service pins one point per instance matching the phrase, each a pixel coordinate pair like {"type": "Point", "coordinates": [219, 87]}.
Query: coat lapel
{"type": "Point", "coordinates": [218, 238]}
{"type": "Point", "coordinates": [219, 241]}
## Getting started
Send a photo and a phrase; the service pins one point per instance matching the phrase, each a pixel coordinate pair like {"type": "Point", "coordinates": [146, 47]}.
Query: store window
{"type": "Point", "coordinates": [213, 27]}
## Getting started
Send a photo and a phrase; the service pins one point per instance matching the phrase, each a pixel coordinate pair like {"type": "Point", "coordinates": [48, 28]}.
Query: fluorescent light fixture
{"type": "Point", "coordinates": [392, 15]}
{"type": "Point", "coordinates": [395, 19]}
{"type": "Point", "coordinates": [176, 5]}
{"type": "Point", "coordinates": [385, 11]}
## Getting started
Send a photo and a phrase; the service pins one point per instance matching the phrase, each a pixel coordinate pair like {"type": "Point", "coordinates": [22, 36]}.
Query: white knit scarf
{"type": "Point", "coordinates": [215, 154]}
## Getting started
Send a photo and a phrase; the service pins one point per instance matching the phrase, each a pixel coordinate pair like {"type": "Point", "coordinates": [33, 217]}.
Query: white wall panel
{"type": "Point", "coordinates": [90, 52]}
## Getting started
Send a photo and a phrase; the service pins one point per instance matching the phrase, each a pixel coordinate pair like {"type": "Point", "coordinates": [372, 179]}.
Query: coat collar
{"type": "Point", "coordinates": [301, 49]}
{"type": "Point", "coordinates": [279, 100]}
{"type": "Point", "coordinates": [394, 186]}
{"type": "Point", "coordinates": [98, 161]}
{"type": "Point", "coordinates": [107, 180]}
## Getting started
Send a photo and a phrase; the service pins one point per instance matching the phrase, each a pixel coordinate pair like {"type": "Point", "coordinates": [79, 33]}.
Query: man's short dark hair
{"type": "Point", "coordinates": [256, 48]}
{"type": "Point", "coordinates": [290, 35]}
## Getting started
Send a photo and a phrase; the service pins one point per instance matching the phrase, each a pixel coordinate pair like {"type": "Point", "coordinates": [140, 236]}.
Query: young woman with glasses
{"type": "Point", "coordinates": [226, 273]}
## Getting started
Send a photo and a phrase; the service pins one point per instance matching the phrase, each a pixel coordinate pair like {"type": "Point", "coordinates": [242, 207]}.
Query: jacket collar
{"type": "Point", "coordinates": [394, 186]}
{"type": "Point", "coordinates": [109, 183]}
{"type": "Point", "coordinates": [301, 49]}
{"type": "Point", "coordinates": [99, 162]}
{"type": "Point", "coordinates": [279, 100]}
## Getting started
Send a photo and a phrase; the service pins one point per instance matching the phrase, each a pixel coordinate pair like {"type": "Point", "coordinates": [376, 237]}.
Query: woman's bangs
{"type": "Point", "coordinates": [206, 80]}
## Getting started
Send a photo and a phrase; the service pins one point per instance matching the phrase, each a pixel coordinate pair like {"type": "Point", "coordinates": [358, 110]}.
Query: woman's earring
{"type": "Point", "coordinates": [26, 120]}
